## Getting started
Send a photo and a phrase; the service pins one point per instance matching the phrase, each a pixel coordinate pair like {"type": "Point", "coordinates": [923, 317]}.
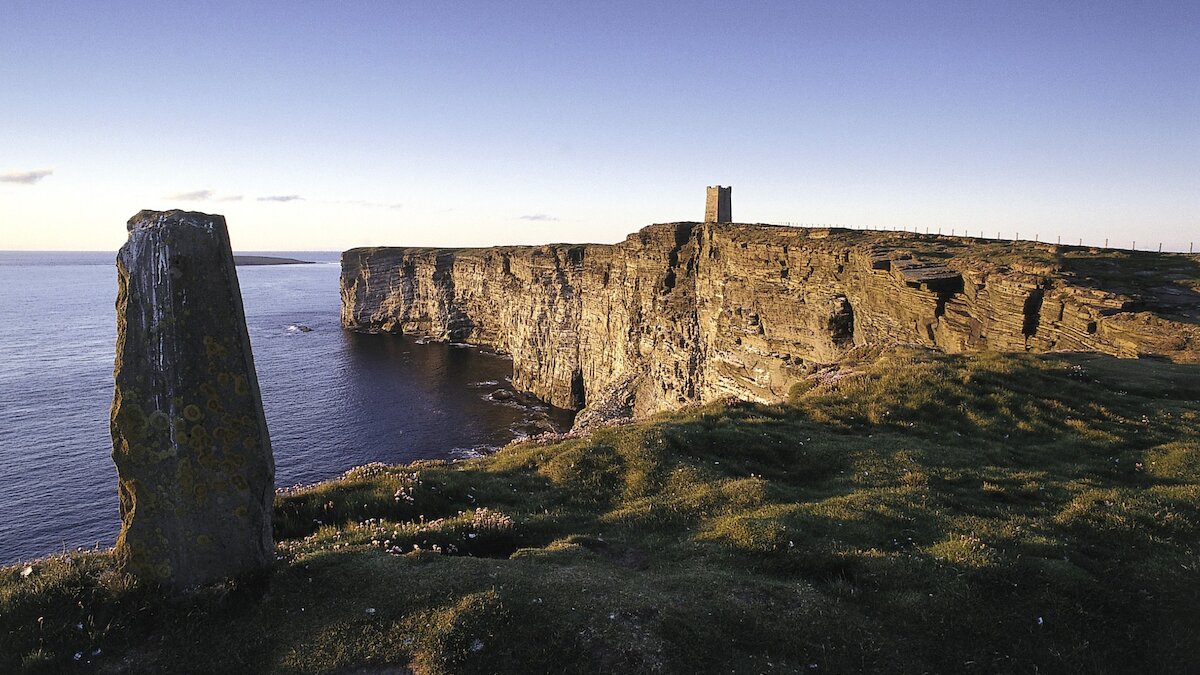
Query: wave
{"type": "Point", "coordinates": [472, 453]}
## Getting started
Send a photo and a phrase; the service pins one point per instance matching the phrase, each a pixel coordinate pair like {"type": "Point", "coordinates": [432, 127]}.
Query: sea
{"type": "Point", "coordinates": [333, 399]}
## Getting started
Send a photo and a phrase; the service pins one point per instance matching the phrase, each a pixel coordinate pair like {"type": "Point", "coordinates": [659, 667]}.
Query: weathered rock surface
{"type": "Point", "coordinates": [194, 463]}
{"type": "Point", "coordinates": [687, 312]}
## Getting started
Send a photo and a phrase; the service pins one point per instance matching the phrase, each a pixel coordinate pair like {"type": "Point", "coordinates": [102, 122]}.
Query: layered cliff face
{"type": "Point", "coordinates": [687, 312]}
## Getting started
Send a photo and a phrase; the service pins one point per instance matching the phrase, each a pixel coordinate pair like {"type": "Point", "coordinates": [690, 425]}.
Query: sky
{"type": "Point", "coordinates": [329, 125]}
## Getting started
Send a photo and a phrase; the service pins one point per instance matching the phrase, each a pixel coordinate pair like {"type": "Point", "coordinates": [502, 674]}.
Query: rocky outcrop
{"type": "Point", "coordinates": [689, 312]}
{"type": "Point", "coordinates": [194, 464]}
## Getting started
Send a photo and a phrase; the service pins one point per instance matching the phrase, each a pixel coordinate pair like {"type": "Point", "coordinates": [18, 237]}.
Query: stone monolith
{"type": "Point", "coordinates": [194, 465]}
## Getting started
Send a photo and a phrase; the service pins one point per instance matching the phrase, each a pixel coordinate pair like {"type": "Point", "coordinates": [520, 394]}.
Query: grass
{"type": "Point", "coordinates": [906, 512]}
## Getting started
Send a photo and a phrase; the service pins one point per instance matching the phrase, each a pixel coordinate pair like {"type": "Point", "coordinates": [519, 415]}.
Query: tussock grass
{"type": "Point", "coordinates": [925, 513]}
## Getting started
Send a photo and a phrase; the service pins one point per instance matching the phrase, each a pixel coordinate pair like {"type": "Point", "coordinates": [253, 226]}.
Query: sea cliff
{"type": "Point", "coordinates": [684, 313]}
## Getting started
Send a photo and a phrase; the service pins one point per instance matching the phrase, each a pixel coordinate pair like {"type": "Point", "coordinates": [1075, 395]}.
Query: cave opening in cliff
{"type": "Point", "coordinates": [841, 322]}
{"type": "Point", "coordinates": [578, 391]}
{"type": "Point", "coordinates": [668, 282]}
{"type": "Point", "coordinates": [1033, 311]}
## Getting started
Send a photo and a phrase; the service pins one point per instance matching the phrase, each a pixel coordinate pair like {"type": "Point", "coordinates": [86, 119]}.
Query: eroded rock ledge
{"type": "Point", "coordinates": [683, 313]}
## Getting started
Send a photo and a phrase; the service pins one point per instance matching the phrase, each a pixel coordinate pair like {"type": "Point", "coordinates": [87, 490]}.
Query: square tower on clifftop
{"type": "Point", "coordinates": [716, 206]}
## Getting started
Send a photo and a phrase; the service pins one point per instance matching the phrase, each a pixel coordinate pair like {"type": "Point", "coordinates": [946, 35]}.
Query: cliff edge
{"type": "Point", "coordinates": [684, 313]}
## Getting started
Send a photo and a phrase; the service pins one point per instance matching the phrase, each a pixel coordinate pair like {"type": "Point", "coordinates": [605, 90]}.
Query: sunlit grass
{"type": "Point", "coordinates": [921, 512]}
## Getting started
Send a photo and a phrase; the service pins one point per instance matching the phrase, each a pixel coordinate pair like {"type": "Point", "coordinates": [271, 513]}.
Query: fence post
{"type": "Point", "coordinates": [1160, 247]}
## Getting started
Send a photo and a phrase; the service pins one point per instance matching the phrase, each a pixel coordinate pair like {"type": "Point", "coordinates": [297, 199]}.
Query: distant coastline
{"type": "Point", "coordinates": [268, 260]}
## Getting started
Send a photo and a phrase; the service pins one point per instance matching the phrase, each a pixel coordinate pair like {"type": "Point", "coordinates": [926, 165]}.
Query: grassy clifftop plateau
{"type": "Point", "coordinates": [905, 512]}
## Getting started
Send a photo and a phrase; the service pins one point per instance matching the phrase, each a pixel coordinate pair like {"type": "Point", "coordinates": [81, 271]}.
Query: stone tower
{"type": "Point", "coordinates": [716, 206]}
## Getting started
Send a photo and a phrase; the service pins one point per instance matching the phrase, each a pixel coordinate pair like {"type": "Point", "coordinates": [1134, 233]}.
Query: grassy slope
{"type": "Point", "coordinates": [931, 513]}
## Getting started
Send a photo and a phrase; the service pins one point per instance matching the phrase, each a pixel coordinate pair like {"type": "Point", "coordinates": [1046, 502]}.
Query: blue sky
{"type": "Point", "coordinates": [327, 125]}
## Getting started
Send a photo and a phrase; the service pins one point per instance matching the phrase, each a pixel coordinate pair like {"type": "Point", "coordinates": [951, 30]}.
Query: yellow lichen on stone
{"type": "Point", "coordinates": [158, 421]}
{"type": "Point", "coordinates": [213, 348]}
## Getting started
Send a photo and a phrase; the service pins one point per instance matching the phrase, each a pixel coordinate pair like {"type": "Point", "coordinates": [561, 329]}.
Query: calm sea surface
{"type": "Point", "coordinates": [333, 399]}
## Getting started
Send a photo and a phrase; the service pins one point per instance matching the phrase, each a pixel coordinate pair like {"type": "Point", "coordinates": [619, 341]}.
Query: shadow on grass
{"type": "Point", "coordinates": [929, 513]}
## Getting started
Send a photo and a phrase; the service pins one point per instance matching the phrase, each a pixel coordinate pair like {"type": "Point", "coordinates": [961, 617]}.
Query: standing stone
{"type": "Point", "coordinates": [194, 465]}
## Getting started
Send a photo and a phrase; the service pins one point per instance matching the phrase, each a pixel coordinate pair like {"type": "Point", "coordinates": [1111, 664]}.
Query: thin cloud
{"type": "Point", "coordinates": [194, 196]}
{"type": "Point", "coordinates": [231, 198]}
{"type": "Point", "coordinates": [371, 205]}
{"type": "Point", "coordinates": [540, 217]}
{"type": "Point", "coordinates": [25, 177]}
{"type": "Point", "coordinates": [281, 198]}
